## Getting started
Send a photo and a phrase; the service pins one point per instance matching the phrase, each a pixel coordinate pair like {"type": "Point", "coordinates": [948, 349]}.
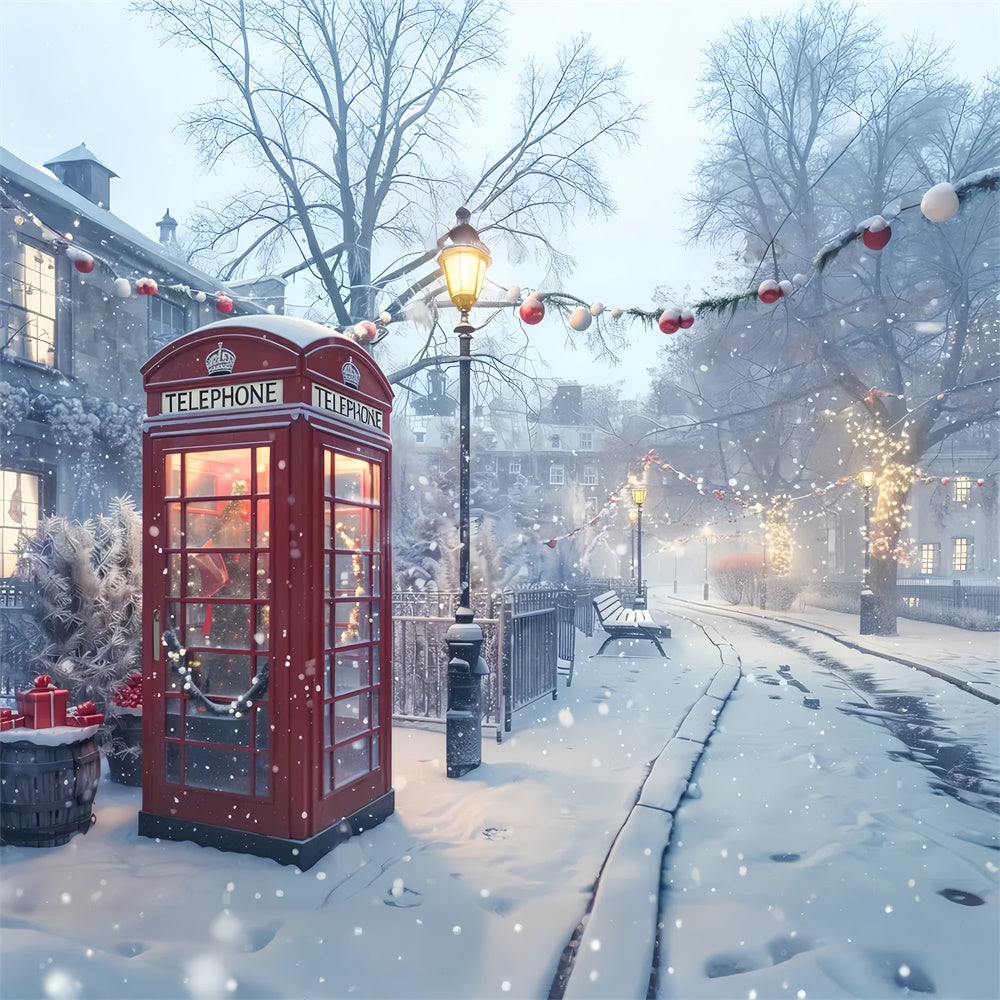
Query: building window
{"type": "Point", "coordinates": [586, 440]}
{"type": "Point", "coordinates": [167, 322]}
{"type": "Point", "coordinates": [929, 555]}
{"type": "Point", "coordinates": [31, 306]}
{"type": "Point", "coordinates": [19, 498]}
{"type": "Point", "coordinates": [419, 436]}
{"type": "Point", "coordinates": [515, 467]}
{"type": "Point", "coordinates": [555, 442]}
{"type": "Point", "coordinates": [961, 554]}
{"type": "Point", "coordinates": [963, 489]}
{"type": "Point", "coordinates": [590, 475]}
{"type": "Point", "coordinates": [557, 475]}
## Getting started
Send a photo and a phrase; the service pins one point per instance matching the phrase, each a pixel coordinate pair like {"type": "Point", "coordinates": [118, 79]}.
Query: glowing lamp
{"type": "Point", "coordinates": [464, 264]}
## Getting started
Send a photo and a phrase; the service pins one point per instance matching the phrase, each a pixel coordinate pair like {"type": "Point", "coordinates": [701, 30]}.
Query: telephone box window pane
{"type": "Point", "coordinates": [217, 769]}
{"type": "Point", "coordinates": [172, 764]}
{"type": "Point", "coordinates": [224, 674]}
{"type": "Point", "coordinates": [352, 574]}
{"type": "Point", "coordinates": [222, 472]}
{"type": "Point", "coordinates": [174, 575]}
{"type": "Point", "coordinates": [375, 579]}
{"type": "Point", "coordinates": [222, 730]}
{"type": "Point", "coordinates": [263, 575]}
{"type": "Point", "coordinates": [351, 671]}
{"type": "Point", "coordinates": [263, 539]}
{"type": "Point", "coordinates": [174, 534]}
{"type": "Point", "coordinates": [376, 542]}
{"type": "Point", "coordinates": [172, 483]}
{"type": "Point", "coordinates": [263, 484]}
{"type": "Point", "coordinates": [351, 716]}
{"type": "Point", "coordinates": [352, 528]}
{"type": "Point", "coordinates": [262, 784]}
{"type": "Point", "coordinates": [262, 728]}
{"type": "Point", "coordinates": [351, 761]}
{"type": "Point", "coordinates": [353, 623]}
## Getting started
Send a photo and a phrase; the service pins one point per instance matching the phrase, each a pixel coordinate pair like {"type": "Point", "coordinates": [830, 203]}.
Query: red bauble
{"type": "Point", "coordinates": [223, 302]}
{"type": "Point", "coordinates": [366, 330]}
{"type": "Point", "coordinates": [532, 310]}
{"type": "Point", "coordinates": [769, 292]}
{"type": "Point", "coordinates": [877, 239]}
{"type": "Point", "coordinates": [670, 320]}
{"type": "Point", "coordinates": [84, 263]}
{"type": "Point", "coordinates": [687, 319]}
{"type": "Point", "coordinates": [146, 286]}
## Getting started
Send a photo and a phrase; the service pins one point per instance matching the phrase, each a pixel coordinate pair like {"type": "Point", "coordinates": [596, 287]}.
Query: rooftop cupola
{"type": "Point", "coordinates": [80, 170]}
{"type": "Point", "coordinates": [168, 228]}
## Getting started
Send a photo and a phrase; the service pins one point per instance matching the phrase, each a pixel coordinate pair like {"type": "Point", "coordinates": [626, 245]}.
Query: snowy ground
{"type": "Point", "coordinates": [475, 887]}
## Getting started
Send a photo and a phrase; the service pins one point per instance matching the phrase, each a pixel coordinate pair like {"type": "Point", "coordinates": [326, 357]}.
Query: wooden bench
{"type": "Point", "coordinates": [627, 623]}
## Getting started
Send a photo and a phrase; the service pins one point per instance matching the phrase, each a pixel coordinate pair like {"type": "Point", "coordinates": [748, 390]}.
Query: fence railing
{"type": "Point", "coordinates": [972, 607]}
{"type": "Point", "coordinates": [530, 641]}
{"type": "Point", "coordinates": [954, 604]}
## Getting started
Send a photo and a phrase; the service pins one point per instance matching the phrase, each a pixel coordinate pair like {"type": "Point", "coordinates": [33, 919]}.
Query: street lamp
{"type": "Point", "coordinates": [639, 498]}
{"type": "Point", "coordinates": [866, 480]}
{"type": "Point", "coordinates": [707, 532]}
{"type": "Point", "coordinates": [676, 552]}
{"type": "Point", "coordinates": [464, 263]}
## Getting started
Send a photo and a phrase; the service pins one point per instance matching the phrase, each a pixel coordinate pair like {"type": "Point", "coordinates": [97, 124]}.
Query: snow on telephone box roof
{"type": "Point", "coordinates": [264, 361]}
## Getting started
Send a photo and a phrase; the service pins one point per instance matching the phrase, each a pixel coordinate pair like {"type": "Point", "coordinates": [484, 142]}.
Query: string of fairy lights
{"type": "Point", "coordinates": [939, 204]}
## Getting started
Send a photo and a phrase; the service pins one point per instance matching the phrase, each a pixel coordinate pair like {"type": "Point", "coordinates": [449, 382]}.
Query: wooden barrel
{"type": "Point", "coordinates": [47, 792]}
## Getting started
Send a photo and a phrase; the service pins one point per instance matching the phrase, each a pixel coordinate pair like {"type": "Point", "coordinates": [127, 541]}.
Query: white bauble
{"type": "Point", "coordinates": [580, 318]}
{"type": "Point", "coordinates": [939, 203]}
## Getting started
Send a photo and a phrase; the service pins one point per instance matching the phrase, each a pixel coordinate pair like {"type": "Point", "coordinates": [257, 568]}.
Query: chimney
{"type": "Point", "coordinates": [168, 228]}
{"type": "Point", "coordinates": [80, 170]}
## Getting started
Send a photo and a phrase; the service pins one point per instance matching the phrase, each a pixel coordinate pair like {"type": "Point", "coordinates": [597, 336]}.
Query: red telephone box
{"type": "Point", "coordinates": [266, 569]}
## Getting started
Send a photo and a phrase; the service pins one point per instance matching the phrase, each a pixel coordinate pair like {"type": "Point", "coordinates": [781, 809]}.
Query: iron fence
{"type": "Point", "coordinates": [529, 642]}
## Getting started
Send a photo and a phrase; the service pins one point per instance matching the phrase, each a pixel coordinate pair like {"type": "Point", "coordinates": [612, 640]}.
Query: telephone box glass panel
{"type": "Point", "coordinates": [218, 589]}
{"type": "Point", "coordinates": [351, 496]}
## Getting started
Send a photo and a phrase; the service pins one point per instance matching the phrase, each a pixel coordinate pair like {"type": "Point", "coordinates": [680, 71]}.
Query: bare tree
{"type": "Point", "coordinates": [818, 127]}
{"type": "Point", "coordinates": [356, 120]}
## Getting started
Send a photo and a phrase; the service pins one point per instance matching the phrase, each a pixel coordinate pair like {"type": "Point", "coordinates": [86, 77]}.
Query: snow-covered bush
{"type": "Point", "coordinates": [88, 581]}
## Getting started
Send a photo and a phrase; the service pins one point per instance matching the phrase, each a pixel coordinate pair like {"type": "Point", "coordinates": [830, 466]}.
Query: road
{"type": "Point", "coordinates": [840, 834]}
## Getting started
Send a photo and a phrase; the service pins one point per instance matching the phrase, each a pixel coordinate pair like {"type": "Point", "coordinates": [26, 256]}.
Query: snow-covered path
{"type": "Point", "coordinates": [841, 838]}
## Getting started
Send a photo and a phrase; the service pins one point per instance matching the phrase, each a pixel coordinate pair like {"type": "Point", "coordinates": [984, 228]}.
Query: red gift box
{"type": "Point", "coordinates": [44, 705]}
{"type": "Point", "coordinates": [84, 714]}
{"type": "Point", "coordinates": [9, 719]}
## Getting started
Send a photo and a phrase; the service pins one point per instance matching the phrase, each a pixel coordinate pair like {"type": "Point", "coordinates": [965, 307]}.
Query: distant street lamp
{"type": "Point", "coordinates": [707, 532]}
{"type": "Point", "coordinates": [676, 550]}
{"type": "Point", "coordinates": [866, 480]}
{"type": "Point", "coordinates": [639, 498]}
{"type": "Point", "coordinates": [464, 263]}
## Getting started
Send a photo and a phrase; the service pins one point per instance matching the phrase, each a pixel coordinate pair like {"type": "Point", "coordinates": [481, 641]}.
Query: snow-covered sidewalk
{"type": "Point", "coordinates": [486, 886]}
{"type": "Point", "coordinates": [473, 888]}
{"type": "Point", "coordinates": [971, 659]}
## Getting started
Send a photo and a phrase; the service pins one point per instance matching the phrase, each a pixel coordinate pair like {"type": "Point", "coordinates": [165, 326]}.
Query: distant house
{"type": "Point", "coordinates": [85, 300]}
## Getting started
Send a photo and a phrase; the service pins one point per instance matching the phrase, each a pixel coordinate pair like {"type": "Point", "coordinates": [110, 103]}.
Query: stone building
{"type": "Point", "coordinates": [85, 299]}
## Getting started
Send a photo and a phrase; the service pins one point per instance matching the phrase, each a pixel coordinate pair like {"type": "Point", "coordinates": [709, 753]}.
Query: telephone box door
{"type": "Point", "coordinates": [216, 725]}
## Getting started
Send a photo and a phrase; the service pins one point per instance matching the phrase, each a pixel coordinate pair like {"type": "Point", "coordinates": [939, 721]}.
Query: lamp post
{"type": "Point", "coordinates": [464, 263]}
{"type": "Point", "coordinates": [866, 480]}
{"type": "Point", "coordinates": [706, 531]}
{"type": "Point", "coordinates": [639, 498]}
{"type": "Point", "coordinates": [676, 554]}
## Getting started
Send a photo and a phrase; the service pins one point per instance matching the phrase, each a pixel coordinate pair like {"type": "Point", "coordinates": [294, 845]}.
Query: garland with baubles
{"type": "Point", "coordinates": [181, 660]}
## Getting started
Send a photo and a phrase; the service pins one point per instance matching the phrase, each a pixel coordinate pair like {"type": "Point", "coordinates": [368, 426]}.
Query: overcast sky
{"type": "Point", "coordinates": [90, 71]}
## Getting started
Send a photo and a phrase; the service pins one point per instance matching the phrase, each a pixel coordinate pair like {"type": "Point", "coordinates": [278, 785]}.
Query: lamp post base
{"type": "Point", "coordinates": [463, 721]}
{"type": "Point", "coordinates": [869, 619]}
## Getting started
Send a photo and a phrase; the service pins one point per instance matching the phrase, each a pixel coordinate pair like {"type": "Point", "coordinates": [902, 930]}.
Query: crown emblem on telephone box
{"type": "Point", "coordinates": [221, 361]}
{"type": "Point", "coordinates": [350, 374]}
